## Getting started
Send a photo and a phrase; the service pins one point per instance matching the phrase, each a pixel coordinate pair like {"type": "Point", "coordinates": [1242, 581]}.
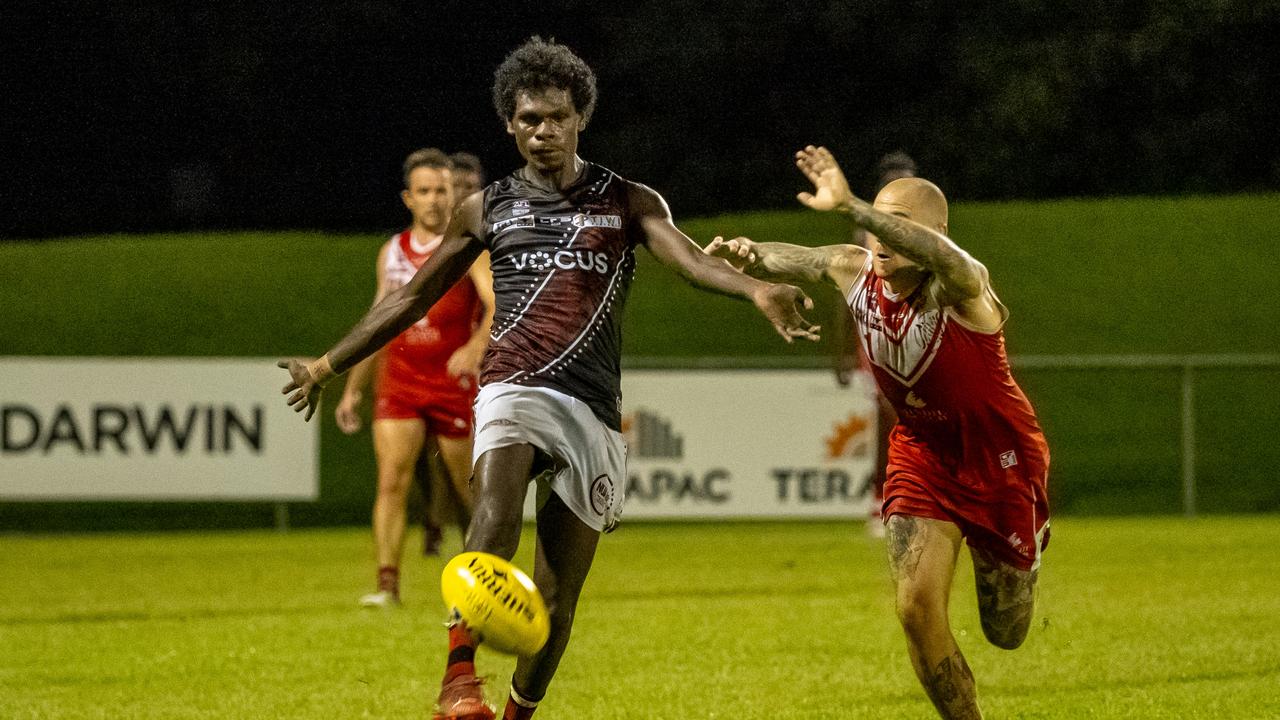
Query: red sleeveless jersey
{"type": "Point", "coordinates": [419, 355]}
{"type": "Point", "coordinates": [950, 385]}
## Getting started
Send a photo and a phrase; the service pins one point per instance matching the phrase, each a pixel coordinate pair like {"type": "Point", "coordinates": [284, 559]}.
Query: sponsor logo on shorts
{"type": "Point", "coordinates": [1021, 547]}
{"type": "Point", "coordinates": [498, 422]}
{"type": "Point", "coordinates": [1008, 459]}
{"type": "Point", "coordinates": [602, 495]}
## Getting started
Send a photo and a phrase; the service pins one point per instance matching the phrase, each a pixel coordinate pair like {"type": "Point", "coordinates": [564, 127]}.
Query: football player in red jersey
{"type": "Point", "coordinates": [427, 378]}
{"type": "Point", "coordinates": [562, 233]}
{"type": "Point", "coordinates": [849, 357]}
{"type": "Point", "coordinates": [967, 460]}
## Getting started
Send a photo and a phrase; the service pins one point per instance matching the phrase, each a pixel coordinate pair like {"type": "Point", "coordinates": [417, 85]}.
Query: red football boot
{"type": "Point", "coordinates": [462, 699]}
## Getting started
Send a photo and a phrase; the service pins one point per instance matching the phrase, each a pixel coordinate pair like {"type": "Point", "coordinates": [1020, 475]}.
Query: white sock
{"type": "Point", "coordinates": [521, 701]}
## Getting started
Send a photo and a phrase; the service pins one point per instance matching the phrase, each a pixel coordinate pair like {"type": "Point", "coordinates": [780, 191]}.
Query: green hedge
{"type": "Point", "coordinates": [1135, 275]}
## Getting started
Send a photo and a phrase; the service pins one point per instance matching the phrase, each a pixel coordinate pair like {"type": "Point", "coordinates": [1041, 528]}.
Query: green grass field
{"type": "Point", "coordinates": [1138, 618]}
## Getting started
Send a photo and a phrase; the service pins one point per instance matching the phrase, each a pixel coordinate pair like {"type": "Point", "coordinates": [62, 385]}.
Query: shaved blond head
{"type": "Point", "coordinates": [916, 199]}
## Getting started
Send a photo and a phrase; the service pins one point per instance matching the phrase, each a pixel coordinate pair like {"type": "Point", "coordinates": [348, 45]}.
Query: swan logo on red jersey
{"type": "Point", "coordinates": [905, 344]}
{"type": "Point", "coordinates": [563, 260]}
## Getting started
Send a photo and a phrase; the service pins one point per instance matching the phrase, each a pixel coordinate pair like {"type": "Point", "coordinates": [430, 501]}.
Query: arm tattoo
{"type": "Point", "coordinates": [794, 263]}
{"type": "Point", "coordinates": [931, 249]}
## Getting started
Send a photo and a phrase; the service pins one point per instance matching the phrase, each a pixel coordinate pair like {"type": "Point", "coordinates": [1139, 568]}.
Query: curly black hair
{"type": "Point", "coordinates": [537, 65]}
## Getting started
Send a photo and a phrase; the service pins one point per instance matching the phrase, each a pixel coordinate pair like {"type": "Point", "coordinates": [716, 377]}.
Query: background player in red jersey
{"type": "Point", "coordinates": [562, 234]}
{"type": "Point", "coordinates": [967, 459]}
{"type": "Point", "coordinates": [467, 174]}
{"type": "Point", "coordinates": [428, 375]}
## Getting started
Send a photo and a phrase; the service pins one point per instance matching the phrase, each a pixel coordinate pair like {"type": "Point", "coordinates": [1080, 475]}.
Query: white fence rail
{"type": "Point", "coordinates": [1186, 365]}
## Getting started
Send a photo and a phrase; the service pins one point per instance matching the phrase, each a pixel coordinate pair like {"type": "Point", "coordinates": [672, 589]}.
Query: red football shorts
{"type": "Point", "coordinates": [445, 408]}
{"type": "Point", "coordinates": [1003, 511]}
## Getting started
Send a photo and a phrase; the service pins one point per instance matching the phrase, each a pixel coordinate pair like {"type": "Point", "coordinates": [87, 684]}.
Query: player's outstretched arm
{"type": "Point", "coordinates": [396, 312]}
{"type": "Point", "coordinates": [961, 276]}
{"type": "Point", "coordinates": [347, 414]}
{"type": "Point", "coordinates": [780, 304]}
{"type": "Point", "coordinates": [839, 264]}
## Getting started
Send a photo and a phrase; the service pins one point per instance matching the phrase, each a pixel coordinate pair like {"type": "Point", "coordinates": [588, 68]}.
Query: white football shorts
{"type": "Point", "coordinates": [590, 456]}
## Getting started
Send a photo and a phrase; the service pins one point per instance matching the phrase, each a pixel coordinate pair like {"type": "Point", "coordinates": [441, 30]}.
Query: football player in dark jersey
{"type": "Point", "coordinates": [561, 233]}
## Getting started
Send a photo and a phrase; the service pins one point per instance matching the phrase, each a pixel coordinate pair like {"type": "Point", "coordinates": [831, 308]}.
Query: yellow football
{"type": "Point", "coordinates": [499, 603]}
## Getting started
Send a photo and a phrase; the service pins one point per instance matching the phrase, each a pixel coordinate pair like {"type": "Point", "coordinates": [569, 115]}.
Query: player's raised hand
{"type": "Point", "coordinates": [831, 189]}
{"type": "Point", "coordinates": [304, 384]}
{"type": "Point", "coordinates": [740, 252]}
{"type": "Point", "coordinates": [782, 304]}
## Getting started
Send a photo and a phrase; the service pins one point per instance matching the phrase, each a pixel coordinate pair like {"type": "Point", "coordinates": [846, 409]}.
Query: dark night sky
{"type": "Point", "coordinates": [148, 116]}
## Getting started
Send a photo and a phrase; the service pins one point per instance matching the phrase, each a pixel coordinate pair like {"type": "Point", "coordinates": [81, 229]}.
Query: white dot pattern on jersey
{"type": "Point", "coordinates": [514, 317]}
{"type": "Point", "coordinates": [625, 264]}
{"type": "Point", "coordinates": [597, 320]}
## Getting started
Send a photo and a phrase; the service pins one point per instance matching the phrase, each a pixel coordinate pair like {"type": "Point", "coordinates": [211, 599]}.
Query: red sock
{"type": "Point", "coordinates": [389, 579]}
{"type": "Point", "coordinates": [462, 653]}
{"type": "Point", "coordinates": [519, 707]}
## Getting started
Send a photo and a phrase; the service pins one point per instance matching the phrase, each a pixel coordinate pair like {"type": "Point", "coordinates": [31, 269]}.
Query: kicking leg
{"type": "Point", "coordinates": [922, 560]}
{"type": "Point", "coordinates": [1006, 599]}
{"type": "Point", "coordinates": [566, 548]}
{"type": "Point", "coordinates": [501, 480]}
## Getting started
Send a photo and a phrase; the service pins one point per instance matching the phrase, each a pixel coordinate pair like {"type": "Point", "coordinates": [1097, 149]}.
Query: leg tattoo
{"type": "Point", "coordinates": [905, 548]}
{"type": "Point", "coordinates": [951, 688]}
{"type": "Point", "coordinates": [1006, 600]}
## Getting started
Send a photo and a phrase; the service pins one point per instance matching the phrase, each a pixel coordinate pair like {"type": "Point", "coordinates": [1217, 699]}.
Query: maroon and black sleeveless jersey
{"type": "Point", "coordinates": [562, 262]}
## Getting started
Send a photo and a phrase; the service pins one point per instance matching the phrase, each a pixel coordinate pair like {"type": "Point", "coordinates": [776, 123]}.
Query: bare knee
{"type": "Point", "coordinates": [393, 483]}
{"type": "Point", "coordinates": [501, 481]}
{"type": "Point", "coordinates": [921, 612]}
{"type": "Point", "coordinates": [1006, 630]}
{"type": "Point", "coordinates": [495, 528]}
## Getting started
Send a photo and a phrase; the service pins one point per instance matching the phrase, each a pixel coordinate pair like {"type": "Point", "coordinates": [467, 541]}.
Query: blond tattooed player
{"type": "Point", "coordinates": [967, 460]}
